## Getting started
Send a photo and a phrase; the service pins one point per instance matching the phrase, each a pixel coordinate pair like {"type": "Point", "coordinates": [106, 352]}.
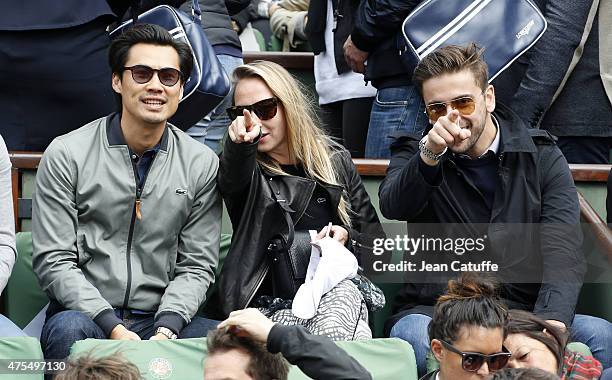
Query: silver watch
{"type": "Point", "coordinates": [428, 153]}
{"type": "Point", "coordinates": [167, 332]}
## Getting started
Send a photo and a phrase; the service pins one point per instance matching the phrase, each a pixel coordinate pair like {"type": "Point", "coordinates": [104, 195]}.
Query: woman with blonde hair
{"type": "Point", "coordinates": [281, 176]}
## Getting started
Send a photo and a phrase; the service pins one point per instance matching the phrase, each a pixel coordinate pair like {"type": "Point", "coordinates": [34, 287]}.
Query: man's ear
{"type": "Point", "coordinates": [181, 93]}
{"type": "Point", "coordinates": [116, 83]}
{"type": "Point", "coordinates": [436, 349]}
{"type": "Point", "coordinates": [490, 98]}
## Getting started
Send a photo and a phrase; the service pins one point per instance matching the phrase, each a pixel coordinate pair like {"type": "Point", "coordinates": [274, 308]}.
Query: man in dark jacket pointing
{"type": "Point", "coordinates": [480, 166]}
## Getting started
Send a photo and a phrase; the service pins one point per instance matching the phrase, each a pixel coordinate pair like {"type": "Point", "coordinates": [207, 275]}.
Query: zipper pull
{"type": "Point", "coordinates": [138, 215]}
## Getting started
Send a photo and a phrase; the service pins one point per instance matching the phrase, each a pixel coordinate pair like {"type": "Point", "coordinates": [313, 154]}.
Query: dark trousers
{"type": "Point", "coordinates": [348, 122]}
{"type": "Point", "coordinates": [63, 329]}
{"type": "Point", "coordinates": [52, 81]}
{"type": "Point", "coordinates": [586, 150]}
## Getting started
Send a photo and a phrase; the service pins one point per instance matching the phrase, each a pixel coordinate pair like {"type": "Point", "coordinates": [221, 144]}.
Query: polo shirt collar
{"type": "Point", "coordinates": [115, 134]}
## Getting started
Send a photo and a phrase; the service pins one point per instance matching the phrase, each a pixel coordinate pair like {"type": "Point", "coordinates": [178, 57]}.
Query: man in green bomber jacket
{"type": "Point", "coordinates": [127, 216]}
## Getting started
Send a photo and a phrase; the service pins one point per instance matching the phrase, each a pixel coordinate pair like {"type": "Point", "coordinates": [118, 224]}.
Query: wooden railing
{"type": "Point", "coordinates": [290, 61]}
{"type": "Point", "coordinates": [366, 167]}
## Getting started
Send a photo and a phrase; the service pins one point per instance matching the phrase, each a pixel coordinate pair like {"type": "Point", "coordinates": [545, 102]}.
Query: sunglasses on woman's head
{"type": "Point", "coordinates": [143, 74]}
{"type": "Point", "coordinates": [472, 361]}
{"type": "Point", "coordinates": [264, 109]}
{"type": "Point", "coordinates": [465, 105]}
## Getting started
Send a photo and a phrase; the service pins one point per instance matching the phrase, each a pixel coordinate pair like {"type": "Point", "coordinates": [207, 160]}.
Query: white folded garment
{"type": "Point", "coordinates": [330, 263]}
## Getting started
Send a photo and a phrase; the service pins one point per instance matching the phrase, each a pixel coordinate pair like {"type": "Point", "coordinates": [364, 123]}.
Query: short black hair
{"type": "Point", "coordinates": [471, 300]}
{"type": "Point", "coordinates": [147, 34]}
{"type": "Point", "coordinates": [263, 365]}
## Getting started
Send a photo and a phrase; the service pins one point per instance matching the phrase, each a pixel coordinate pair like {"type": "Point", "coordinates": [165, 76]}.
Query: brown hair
{"type": "Point", "coordinates": [263, 365]}
{"type": "Point", "coordinates": [526, 323]}
{"type": "Point", "coordinates": [469, 301]}
{"type": "Point", "coordinates": [113, 367]}
{"type": "Point", "coordinates": [523, 374]}
{"type": "Point", "coordinates": [308, 144]}
{"type": "Point", "coordinates": [452, 59]}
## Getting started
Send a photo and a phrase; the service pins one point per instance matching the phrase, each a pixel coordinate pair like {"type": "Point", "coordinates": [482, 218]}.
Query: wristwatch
{"type": "Point", "coordinates": [428, 153]}
{"type": "Point", "coordinates": [167, 332]}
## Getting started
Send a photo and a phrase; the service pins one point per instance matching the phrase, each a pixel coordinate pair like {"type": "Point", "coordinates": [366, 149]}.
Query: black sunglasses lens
{"type": "Point", "coordinates": [142, 74]}
{"type": "Point", "coordinates": [234, 112]}
{"type": "Point", "coordinates": [498, 362]}
{"type": "Point", "coordinates": [265, 110]}
{"type": "Point", "coordinates": [169, 76]}
{"type": "Point", "coordinates": [472, 362]}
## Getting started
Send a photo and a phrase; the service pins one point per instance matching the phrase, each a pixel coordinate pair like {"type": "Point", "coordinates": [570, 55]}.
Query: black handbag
{"type": "Point", "coordinates": [289, 263]}
{"type": "Point", "coordinates": [504, 28]}
{"type": "Point", "coordinates": [289, 256]}
{"type": "Point", "coordinates": [208, 83]}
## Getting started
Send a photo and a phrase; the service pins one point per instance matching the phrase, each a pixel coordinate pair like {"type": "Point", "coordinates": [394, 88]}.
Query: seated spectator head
{"type": "Point", "coordinates": [523, 374]}
{"type": "Point", "coordinates": [468, 328]}
{"type": "Point", "coordinates": [149, 69]}
{"type": "Point", "coordinates": [453, 82]}
{"type": "Point", "coordinates": [534, 342]}
{"type": "Point", "coordinates": [289, 127]}
{"type": "Point", "coordinates": [235, 357]}
{"type": "Point", "coordinates": [86, 367]}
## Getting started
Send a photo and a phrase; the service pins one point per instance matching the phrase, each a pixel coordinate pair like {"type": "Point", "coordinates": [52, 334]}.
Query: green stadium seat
{"type": "Point", "coordinates": [386, 359]}
{"type": "Point", "coordinates": [24, 297]}
{"type": "Point", "coordinates": [22, 349]}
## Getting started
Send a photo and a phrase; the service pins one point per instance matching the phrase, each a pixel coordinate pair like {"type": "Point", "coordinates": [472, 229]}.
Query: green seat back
{"type": "Point", "coordinates": [168, 359]}
{"type": "Point", "coordinates": [24, 297]}
{"type": "Point", "coordinates": [23, 349]}
{"type": "Point", "coordinates": [385, 359]}
{"type": "Point", "coordinates": [260, 39]}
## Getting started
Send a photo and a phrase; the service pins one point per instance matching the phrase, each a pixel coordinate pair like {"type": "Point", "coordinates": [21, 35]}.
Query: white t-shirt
{"type": "Point", "coordinates": [332, 87]}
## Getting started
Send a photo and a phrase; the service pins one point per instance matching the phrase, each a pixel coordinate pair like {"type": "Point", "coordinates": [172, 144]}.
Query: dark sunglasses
{"type": "Point", "coordinates": [472, 361]}
{"type": "Point", "coordinates": [264, 109]}
{"type": "Point", "coordinates": [465, 105]}
{"type": "Point", "coordinates": [142, 74]}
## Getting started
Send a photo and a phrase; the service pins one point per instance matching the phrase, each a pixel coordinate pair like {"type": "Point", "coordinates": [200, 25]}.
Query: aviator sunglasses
{"type": "Point", "coordinates": [465, 105]}
{"type": "Point", "coordinates": [472, 361]}
{"type": "Point", "coordinates": [264, 109]}
{"type": "Point", "coordinates": [142, 74]}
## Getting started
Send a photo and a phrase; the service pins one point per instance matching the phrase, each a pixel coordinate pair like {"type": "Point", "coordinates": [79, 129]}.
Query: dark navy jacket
{"type": "Point", "coordinates": [377, 28]}
{"type": "Point", "coordinates": [535, 188]}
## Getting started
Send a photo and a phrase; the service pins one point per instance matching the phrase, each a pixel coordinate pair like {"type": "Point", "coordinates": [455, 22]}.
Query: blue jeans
{"type": "Point", "coordinates": [592, 331]}
{"type": "Point", "coordinates": [66, 327]}
{"type": "Point", "coordinates": [8, 328]}
{"type": "Point", "coordinates": [595, 333]}
{"type": "Point", "coordinates": [413, 329]}
{"type": "Point", "coordinates": [211, 129]}
{"type": "Point", "coordinates": [394, 109]}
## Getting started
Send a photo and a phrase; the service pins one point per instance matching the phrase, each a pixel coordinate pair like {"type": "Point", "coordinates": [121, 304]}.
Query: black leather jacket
{"type": "Point", "coordinates": [256, 216]}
